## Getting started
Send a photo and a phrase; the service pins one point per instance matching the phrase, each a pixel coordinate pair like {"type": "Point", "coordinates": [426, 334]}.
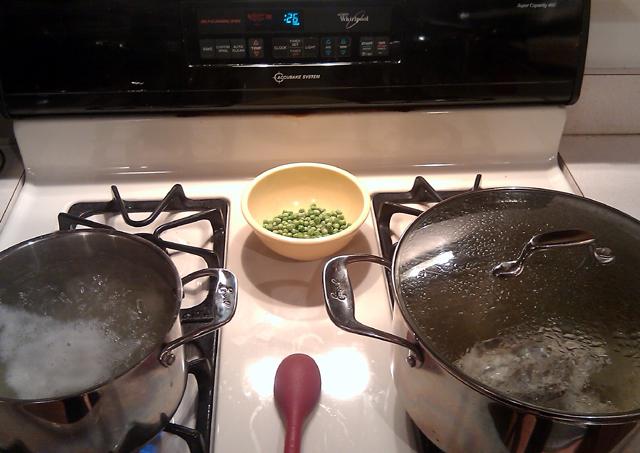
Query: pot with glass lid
{"type": "Point", "coordinates": [517, 322]}
{"type": "Point", "coordinates": [91, 342]}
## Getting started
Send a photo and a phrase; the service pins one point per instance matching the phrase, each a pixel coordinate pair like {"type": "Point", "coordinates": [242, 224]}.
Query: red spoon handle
{"type": "Point", "coordinates": [293, 436]}
{"type": "Point", "coordinates": [296, 392]}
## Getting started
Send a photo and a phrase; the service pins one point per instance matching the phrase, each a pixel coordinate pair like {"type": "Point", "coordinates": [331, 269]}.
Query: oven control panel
{"type": "Point", "coordinates": [285, 49]}
{"type": "Point", "coordinates": [114, 56]}
{"type": "Point", "coordinates": [263, 34]}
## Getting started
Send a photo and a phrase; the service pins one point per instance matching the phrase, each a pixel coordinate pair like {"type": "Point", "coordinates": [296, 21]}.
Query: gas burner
{"type": "Point", "coordinates": [202, 352]}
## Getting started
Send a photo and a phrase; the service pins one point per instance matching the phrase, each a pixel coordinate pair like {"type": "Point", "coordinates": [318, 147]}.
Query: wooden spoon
{"type": "Point", "coordinates": [296, 390]}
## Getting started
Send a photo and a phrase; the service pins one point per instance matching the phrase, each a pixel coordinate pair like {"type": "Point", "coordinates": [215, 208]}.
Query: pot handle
{"type": "Point", "coordinates": [338, 297]}
{"type": "Point", "coordinates": [225, 298]}
{"type": "Point", "coordinates": [553, 240]}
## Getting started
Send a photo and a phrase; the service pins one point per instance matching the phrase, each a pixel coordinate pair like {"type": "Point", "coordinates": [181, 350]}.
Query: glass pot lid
{"type": "Point", "coordinates": [560, 327]}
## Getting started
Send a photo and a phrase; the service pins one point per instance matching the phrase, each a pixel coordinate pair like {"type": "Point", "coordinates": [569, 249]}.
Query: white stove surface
{"type": "Point", "coordinates": [280, 307]}
{"type": "Point", "coordinates": [280, 312]}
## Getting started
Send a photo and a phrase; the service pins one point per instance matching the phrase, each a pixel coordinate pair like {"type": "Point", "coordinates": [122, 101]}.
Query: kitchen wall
{"type": "Point", "coordinates": [610, 101]}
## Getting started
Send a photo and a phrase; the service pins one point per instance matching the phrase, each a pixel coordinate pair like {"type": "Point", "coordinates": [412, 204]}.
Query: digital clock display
{"type": "Point", "coordinates": [292, 19]}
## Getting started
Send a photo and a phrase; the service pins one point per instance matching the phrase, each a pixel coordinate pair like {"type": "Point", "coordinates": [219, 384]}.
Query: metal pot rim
{"type": "Point", "coordinates": [613, 418]}
{"type": "Point", "coordinates": [153, 351]}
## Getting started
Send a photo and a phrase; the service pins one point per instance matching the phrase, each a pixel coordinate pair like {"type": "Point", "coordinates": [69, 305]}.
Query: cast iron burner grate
{"type": "Point", "coordinates": [385, 206]}
{"type": "Point", "coordinates": [213, 211]}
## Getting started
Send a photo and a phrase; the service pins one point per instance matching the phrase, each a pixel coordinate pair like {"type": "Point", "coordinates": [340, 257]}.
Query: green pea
{"type": "Point", "coordinates": [313, 222]}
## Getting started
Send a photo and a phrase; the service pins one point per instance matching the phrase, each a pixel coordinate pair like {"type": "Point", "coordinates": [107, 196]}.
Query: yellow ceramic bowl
{"type": "Point", "coordinates": [296, 186]}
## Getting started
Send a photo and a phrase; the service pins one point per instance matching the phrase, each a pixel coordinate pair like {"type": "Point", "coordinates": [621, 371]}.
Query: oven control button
{"type": "Point", "coordinates": [223, 48]}
{"type": "Point", "coordinates": [310, 49]}
{"type": "Point", "coordinates": [256, 47]}
{"type": "Point", "coordinates": [296, 46]}
{"type": "Point", "coordinates": [366, 46]}
{"type": "Point", "coordinates": [344, 46]}
{"type": "Point", "coordinates": [238, 48]}
{"type": "Point", "coordinates": [381, 46]}
{"type": "Point", "coordinates": [295, 52]}
{"type": "Point", "coordinates": [327, 47]}
{"type": "Point", "coordinates": [207, 49]}
{"type": "Point", "coordinates": [296, 43]}
{"type": "Point", "coordinates": [280, 48]}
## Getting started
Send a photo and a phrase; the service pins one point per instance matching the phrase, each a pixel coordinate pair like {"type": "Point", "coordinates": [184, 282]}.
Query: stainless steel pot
{"type": "Point", "coordinates": [538, 289]}
{"type": "Point", "coordinates": [68, 286]}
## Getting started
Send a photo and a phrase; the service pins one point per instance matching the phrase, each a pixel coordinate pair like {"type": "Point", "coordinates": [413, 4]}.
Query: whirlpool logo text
{"type": "Point", "coordinates": [351, 21]}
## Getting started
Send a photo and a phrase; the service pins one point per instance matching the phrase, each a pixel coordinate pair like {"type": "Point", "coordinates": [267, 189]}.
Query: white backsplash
{"type": "Point", "coordinates": [609, 104]}
{"type": "Point", "coordinates": [610, 100]}
{"type": "Point", "coordinates": [614, 36]}
{"type": "Point", "coordinates": [243, 145]}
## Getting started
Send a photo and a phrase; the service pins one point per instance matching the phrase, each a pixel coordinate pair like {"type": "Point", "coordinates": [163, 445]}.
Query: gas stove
{"type": "Point", "coordinates": [143, 98]}
{"type": "Point", "coordinates": [71, 163]}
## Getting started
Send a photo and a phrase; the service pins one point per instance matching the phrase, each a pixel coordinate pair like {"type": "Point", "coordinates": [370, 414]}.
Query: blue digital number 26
{"type": "Point", "coordinates": [292, 18]}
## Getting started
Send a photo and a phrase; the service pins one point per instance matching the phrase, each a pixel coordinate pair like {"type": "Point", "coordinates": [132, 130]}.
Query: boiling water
{"type": "Point", "coordinates": [42, 356]}
{"type": "Point", "coordinates": [61, 335]}
{"type": "Point", "coordinates": [545, 368]}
